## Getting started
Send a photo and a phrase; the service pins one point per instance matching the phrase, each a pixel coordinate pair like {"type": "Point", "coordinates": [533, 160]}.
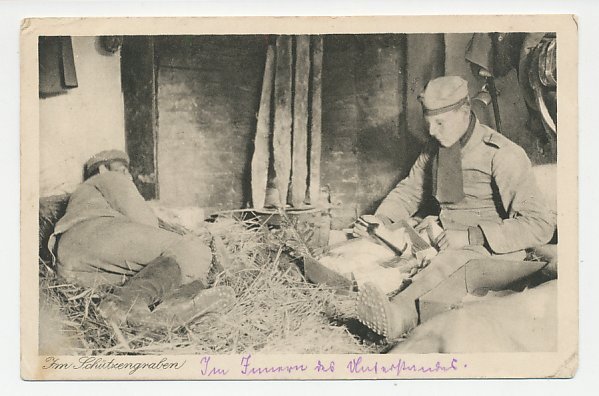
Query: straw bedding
{"type": "Point", "coordinates": [277, 311]}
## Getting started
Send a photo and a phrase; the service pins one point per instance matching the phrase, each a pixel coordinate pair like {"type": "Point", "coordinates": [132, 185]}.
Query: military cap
{"type": "Point", "coordinates": [104, 157]}
{"type": "Point", "coordinates": [444, 94]}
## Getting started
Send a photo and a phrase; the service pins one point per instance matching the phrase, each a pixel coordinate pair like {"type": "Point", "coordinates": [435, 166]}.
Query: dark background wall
{"type": "Point", "coordinates": [207, 93]}
{"type": "Point", "coordinates": [363, 95]}
{"type": "Point", "coordinates": [208, 96]}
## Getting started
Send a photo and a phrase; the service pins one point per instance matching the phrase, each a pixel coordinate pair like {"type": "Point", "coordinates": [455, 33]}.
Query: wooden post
{"type": "Point", "coordinates": [299, 170]}
{"type": "Point", "coordinates": [261, 157]}
{"type": "Point", "coordinates": [283, 116]}
{"type": "Point", "coordinates": [141, 119]}
{"type": "Point", "coordinates": [315, 120]}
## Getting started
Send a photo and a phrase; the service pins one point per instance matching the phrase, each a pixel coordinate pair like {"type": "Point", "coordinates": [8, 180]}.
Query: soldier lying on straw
{"type": "Point", "coordinates": [109, 235]}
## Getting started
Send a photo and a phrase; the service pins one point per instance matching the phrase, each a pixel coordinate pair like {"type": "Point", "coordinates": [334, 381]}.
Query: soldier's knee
{"type": "Point", "coordinates": [193, 256]}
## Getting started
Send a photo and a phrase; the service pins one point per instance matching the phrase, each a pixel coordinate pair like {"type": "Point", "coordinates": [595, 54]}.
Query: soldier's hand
{"type": "Point", "coordinates": [421, 225]}
{"type": "Point", "coordinates": [452, 239]}
{"type": "Point", "coordinates": [425, 223]}
{"type": "Point", "coordinates": [360, 227]}
{"type": "Point", "coordinates": [414, 222]}
{"type": "Point", "coordinates": [359, 230]}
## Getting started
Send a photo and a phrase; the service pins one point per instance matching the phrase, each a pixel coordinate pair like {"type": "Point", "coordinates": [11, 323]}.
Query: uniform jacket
{"type": "Point", "coordinates": [108, 194]}
{"type": "Point", "coordinates": [502, 197]}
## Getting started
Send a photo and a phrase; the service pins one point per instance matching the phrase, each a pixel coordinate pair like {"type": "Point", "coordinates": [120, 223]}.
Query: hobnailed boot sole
{"type": "Point", "coordinates": [185, 305]}
{"type": "Point", "coordinates": [376, 311]}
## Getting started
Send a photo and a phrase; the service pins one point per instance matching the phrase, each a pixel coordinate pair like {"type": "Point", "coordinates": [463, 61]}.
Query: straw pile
{"type": "Point", "coordinates": [277, 311]}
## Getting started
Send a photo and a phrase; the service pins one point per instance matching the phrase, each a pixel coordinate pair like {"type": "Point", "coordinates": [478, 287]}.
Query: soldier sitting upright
{"type": "Point", "coordinates": [488, 198]}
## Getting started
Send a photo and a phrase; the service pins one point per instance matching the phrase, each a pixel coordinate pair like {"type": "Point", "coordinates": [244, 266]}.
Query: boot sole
{"type": "Point", "coordinates": [180, 311]}
{"type": "Point", "coordinates": [374, 309]}
{"type": "Point", "coordinates": [215, 300]}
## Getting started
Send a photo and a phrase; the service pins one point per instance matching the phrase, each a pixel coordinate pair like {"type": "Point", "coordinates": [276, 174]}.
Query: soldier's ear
{"type": "Point", "coordinates": [103, 168]}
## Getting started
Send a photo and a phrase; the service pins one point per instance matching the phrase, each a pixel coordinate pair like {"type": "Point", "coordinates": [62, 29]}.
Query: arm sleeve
{"type": "Point", "coordinates": [529, 222]}
{"type": "Point", "coordinates": [122, 195]}
{"type": "Point", "coordinates": [405, 199]}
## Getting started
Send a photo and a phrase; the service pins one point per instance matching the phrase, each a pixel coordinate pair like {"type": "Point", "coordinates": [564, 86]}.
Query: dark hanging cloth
{"type": "Point", "coordinates": [56, 65]}
{"type": "Point", "coordinates": [480, 51]}
{"type": "Point", "coordinates": [447, 178]}
{"type": "Point", "coordinates": [497, 53]}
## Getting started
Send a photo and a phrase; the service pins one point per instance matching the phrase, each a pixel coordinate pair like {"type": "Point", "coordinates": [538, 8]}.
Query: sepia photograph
{"type": "Point", "coordinates": [255, 192]}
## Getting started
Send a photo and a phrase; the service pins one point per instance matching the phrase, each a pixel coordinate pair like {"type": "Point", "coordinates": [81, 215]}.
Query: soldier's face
{"type": "Point", "coordinates": [447, 128]}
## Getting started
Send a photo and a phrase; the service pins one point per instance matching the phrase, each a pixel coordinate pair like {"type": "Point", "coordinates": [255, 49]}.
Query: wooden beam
{"type": "Point", "coordinates": [299, 170]}
{"type": "Point", "coordinates": [141, 120]}
{"type": "Point", "coordinates": [283, 116]}
{"type": "Point", "coordinates": [315, 120]}
{"type": "Point", "coordinates": [261, 157]}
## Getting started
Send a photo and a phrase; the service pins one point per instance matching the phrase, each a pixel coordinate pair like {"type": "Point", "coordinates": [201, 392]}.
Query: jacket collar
{"type": "Point", "coordinates": [477, 136]}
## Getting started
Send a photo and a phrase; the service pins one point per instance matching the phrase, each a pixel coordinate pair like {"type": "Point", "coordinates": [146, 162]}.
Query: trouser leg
{"type": "Point", "coordinates": [162, 269]}
{"type": "Point", "coordinates": [440, 268]}
{"type": "Point", "coordinates": [194, 259]}
{"type": "Point", "coordinates": [110, 250]}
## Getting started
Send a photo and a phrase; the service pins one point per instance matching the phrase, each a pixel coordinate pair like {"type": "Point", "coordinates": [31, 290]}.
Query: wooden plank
{"type": "Point", "coordinates": [283, 116]}
{"type": "Point", "coordinates": [261, 157]}
{"type": "Point", "coordinates": [315, 121]}
{"type": "Point", "coordinates": [321, 275]}
{"type": "Point", "coordinates": [68, 63]}
{"type": "Point", "coordinates": [299, 170]}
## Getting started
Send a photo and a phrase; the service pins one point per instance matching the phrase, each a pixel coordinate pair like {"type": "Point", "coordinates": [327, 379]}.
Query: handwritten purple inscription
{"type": "Point", "coordinates": [208, 370]}
{"type": "Point", "coordinates": [325, 367]}
{"type": "Point", "coordinates": [248, 368]}
{"type": "Point", "coordinates": [357, 366]}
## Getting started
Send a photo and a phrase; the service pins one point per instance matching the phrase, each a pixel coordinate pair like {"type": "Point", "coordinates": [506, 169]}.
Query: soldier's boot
{"type": "Point", "coordinates": [185, 304]}
{"type": "Point", "coordinates": [155, 299]}
{"type": "Point", "coordinates": [149, 286]}
{"type": "Point", "coordinates": [391, 319]}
